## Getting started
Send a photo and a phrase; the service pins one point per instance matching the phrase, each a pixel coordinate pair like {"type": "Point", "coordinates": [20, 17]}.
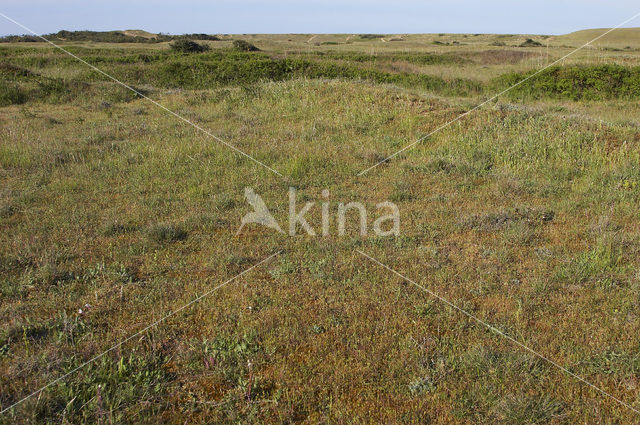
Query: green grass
{"type": "Point", "coordinates": [113, 214]}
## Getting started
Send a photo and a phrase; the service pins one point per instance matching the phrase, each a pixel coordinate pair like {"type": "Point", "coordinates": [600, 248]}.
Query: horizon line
{"type": "Point", "coordinates": [322, 33]}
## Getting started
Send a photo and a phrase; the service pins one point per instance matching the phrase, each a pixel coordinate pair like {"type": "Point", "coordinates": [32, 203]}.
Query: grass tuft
{"type": "Point", "coordinates": [166, 233]}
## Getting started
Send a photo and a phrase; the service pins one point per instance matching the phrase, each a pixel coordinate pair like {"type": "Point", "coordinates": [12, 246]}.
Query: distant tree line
{"type": "Point", "coordinates": [105, 37]}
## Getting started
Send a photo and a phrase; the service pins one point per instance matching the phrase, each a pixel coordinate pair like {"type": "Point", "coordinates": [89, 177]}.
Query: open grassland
{"type": "Point", "coordinates": [114, 213]}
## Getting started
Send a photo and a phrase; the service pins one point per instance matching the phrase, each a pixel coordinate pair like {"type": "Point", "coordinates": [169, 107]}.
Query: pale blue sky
{"type": "Point", "coordinates": [318, 16]}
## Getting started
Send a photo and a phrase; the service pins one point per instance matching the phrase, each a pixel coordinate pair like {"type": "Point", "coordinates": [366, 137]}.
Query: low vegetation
{"type": "Point", "coordinates": [222, 67]}
{"type": "Point", "coordinates": [106, 37]}
{"type": "Point", "coordinates": [188, 46]}
{"type": "Point", "coordinates": [114, 214]}
{"type": "Point", "coordinates": [596, 82]}
{"type": "Point", "coordinates": [530, 43]}
{"type": "Point", "coordinates": [244, 46]}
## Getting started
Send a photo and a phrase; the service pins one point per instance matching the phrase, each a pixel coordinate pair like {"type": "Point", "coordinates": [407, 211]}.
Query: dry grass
{"type": "Point", "coordinates": [523, 214]}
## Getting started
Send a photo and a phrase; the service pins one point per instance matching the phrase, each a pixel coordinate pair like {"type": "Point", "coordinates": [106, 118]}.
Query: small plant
{"type": "Point", "coordinates": [244, 46]}
{"type": "Point", "coordinates": [421, 385]}
{"type": "Point", "coordinates": [529, 410]}
{"type": "Point", "coordinates": [402, 191]}
{"type": "Point", "coordinates": [114, 228]}
{"type": "Point", "coordinates": [163, 233]}
{"type": "Point", "coordinates": [188, 46]}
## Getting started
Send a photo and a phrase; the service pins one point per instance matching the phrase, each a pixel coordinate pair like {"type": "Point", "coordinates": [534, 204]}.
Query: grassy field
{"type": "Point", "coordinates": [113, 213]}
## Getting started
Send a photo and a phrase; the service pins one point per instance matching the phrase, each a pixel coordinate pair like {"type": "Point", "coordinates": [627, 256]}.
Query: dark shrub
{"type": "Point", "coordinates": [114, 228]}
{"type": "Point", "coordinates": [530, 43]}
{"type": "Point", "coordinates": [11, 94]}
{"type": "Point", "coordinates": [188, 46]}
{"type": "Point", "coordinates": [596, 82]}
{"type": "Point", "coordinates": [244, 46]}
{"type": "Point", "coordinates": [163, 233]}
{"type": "Point", "coordinates": [17, 38]}
{"type": "Point", "coordinates": [371, 36]}
{"type": "Point", "coordinates": [245, 68]}
{"type": "Point", "coordinates": [198, 37]}
{"type": "Point", "coordinates": [12, 71]}
{"type": "Point", "coordinates": [56, 90]}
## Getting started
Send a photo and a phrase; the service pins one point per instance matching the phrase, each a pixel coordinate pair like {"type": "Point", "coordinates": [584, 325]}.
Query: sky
{"type": "Point", "coordinates": [318, 16]}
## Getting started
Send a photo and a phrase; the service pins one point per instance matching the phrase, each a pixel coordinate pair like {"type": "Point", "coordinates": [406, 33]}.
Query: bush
{"type": "Point", "coordinates": [57, 90]}
{"type": "Point", "coordinates": [97, 36]}
{"type": "Point", "coordinates": [230, 68]}
{"type": "Point", "coordinates": [11, 95]}
{"type": "Point", "coordinates": [188, 46]}
{"type": "Point", "coordinates": [19, 38]}
{"type": "Point", "coordinates": [106, 37]}
{"type": "Point", "coordinates": [8, 70]}
{"type": "Point", "coordinates": [244, 46]}
{"type": "Point", "coordinates": [530, 43]}
{"type": "Point", "coordinates": [162, 233]}
{"type": "Point", "coordinates": [371, 36]}
{"type": "Point", "coordinates": [599, 82]}
{"type": "Point", "coordinates": [415, 58]}
{"type": "Point", "coordinates": [198, 37]}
